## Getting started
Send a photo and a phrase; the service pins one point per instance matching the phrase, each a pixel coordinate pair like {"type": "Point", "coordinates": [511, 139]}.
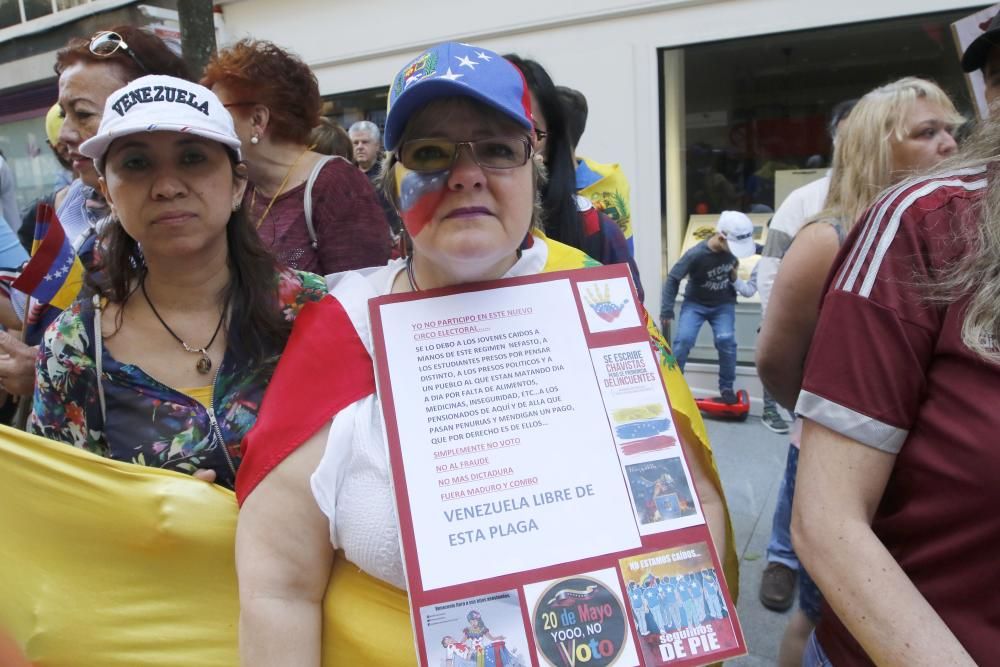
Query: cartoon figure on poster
{"type": "Point", "coordinates": [693, 619]}
{"type": "Point", "coordinates": [651, 592]}
{"type": "Point", "coordinates": [486, 650]}
{"type": "Point", "coordinates": [639, 608]}
{"type": "Point", "coordinates": [456, 654]}
{"type": "Point", "coordinates": [713, 594]}
{"type": "Point", "coordinates": [456, 634]}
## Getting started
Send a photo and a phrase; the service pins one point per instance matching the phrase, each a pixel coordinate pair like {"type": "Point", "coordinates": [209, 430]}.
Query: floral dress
{"type": "Point", "coordinates": [145, 421]}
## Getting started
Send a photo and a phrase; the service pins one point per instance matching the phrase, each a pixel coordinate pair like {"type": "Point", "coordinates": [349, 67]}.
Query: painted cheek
{"type": "Point", "coordinates": [419, 194]}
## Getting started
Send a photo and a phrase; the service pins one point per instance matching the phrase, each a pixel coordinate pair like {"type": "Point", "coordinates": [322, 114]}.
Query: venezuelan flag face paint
{"type": "Point", "coordinates": [419, 194]}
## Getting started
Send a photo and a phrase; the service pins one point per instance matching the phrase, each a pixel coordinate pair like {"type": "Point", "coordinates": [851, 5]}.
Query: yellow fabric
{"type": "Point", "coordinates": [359, 611]}
{"type": "Point", "coordinates": [610, 194]}
{"type": "Point", "coordinates": [201, 394]}
{"type": "Point", "coordinates": [110, 564]}
{"type": "Point", "coordinates": [53, 124]}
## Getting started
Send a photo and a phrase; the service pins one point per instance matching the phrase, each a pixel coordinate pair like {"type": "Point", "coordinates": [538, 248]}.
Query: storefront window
{"type": "Point", "coordinates": [34, 9]}
{"type": "Point", "coordinates": [35, 168]}
{"type": "Point", "coordinates": [10, 13]}
{"type": "Point", "coordinates": [757, 108]}
{"type": "Point", "coordinates": [348, 108]}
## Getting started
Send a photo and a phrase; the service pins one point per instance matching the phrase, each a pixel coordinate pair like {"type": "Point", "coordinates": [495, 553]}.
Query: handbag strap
{"type": "Point", "coordinates": [99, 356]}
{"type": "Point", "coordinates": [307, 202]}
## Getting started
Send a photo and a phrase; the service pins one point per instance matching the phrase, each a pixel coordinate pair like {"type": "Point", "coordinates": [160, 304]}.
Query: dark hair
{"type": "Point", "coordinates": [152, 51]}
{"type": "Point", "coordinates": [255, 316]}
{"type": "Point", "coordinates": [840, 112]}
{"type": "Point", "coordinates": [329, 138]}
{"type": "Point", "coordinates": [561, 218]}
{"type": "Point", "coordinates": [262, 72]}
{"type": "Point", "coordinates": [575, 105]}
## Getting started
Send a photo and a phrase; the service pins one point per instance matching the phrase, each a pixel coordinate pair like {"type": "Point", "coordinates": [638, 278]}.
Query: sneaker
{"type": "Point", "coordinates": [777, 588]}
{"type": "Point", "coordinates": [729, 397]}
{"type": "Point", "coordinates": [772, 420]}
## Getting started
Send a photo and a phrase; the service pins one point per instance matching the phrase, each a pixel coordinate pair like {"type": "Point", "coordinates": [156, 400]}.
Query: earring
{"type": "Point", "coordinates": [255, 140]}
{"type": "Point", "coordinates": [236, 205]}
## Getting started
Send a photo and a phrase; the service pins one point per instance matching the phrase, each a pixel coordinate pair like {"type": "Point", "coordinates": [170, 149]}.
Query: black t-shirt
{"type": "Point", "coordinates": [708, 274]}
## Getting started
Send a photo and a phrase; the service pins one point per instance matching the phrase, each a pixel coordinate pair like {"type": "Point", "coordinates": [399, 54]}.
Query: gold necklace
{"type": "Point", "coordinates": [204, 364]}
{"type": "Point", "coordinates": [281, 188]}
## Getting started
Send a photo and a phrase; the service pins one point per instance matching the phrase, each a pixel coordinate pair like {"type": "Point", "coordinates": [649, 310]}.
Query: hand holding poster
{"type": "Point", "coordinates": [533, 453]}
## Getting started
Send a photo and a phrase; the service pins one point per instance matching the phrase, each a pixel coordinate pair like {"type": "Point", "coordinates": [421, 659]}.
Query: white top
{"type": "Point", "coordinates": [352, 483]}
{"type": "Point", "coordinates": [800, 205]}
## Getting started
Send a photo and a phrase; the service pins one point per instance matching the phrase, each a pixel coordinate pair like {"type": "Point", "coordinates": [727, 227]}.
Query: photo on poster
{"type": "Point", "coordinates": [660, 491]}
{"type": "Point", "coordinates": [608, 304]}
{"type": "Point", "coordinates": [677, 605]}
{"type": "Point", "coordinates": [484, 630]}
{"type": "Point", "coordinates": [581, 619]}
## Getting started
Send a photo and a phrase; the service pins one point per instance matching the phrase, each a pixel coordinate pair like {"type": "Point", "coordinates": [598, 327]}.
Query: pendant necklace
{"type": "Point", "coordinates": [204, 365]}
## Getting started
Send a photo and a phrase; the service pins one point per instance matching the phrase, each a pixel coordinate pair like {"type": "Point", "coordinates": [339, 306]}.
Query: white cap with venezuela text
{"type": "Point", "coordinates": [159, 103]}
{"type": "Point", "coordinates": [738, 230]}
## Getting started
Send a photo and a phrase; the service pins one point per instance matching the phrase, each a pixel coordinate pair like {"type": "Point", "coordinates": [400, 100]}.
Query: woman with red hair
{"type": "Point", "coordinates": [315, 213]}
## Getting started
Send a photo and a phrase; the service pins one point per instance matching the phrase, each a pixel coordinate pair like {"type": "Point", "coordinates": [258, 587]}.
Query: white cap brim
{"type": "Point", "coordinates": [96, 147]}
{"type": "Point", "coordinates": [743, 248]}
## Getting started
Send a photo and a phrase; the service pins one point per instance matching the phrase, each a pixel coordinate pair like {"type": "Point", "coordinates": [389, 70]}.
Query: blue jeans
{"type": "Point", "coordinates": [722, 319]}
{"type": "Point", "coordinates": [814, 656]}
{"type": "Point", "coordinates": [780, 550]}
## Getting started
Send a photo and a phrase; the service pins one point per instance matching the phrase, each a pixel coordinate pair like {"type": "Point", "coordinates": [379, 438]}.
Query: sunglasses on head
{"type": "Point", "coordinates": [440, 154]}
{"type": "Point", "coordinates": [106, 43]}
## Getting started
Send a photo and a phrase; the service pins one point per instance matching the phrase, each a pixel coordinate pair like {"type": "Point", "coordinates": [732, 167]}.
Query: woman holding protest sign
{"type": "Point", "coordinates": [316, 503]}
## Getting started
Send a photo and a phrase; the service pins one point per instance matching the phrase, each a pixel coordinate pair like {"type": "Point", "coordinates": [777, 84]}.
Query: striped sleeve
{"type": "Point", "coordinates": [866, 371]}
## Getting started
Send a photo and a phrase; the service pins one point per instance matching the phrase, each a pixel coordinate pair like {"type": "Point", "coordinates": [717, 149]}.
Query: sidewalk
{"type": "Point", "coordinates": [751, 459]}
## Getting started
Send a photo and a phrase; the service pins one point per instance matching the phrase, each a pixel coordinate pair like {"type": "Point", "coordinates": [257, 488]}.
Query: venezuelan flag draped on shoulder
{"type": "Point", "coordinates": [111, 564]}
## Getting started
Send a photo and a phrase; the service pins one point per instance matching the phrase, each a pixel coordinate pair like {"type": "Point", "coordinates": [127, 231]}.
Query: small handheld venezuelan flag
{"type": "Point", "coordinates": [54, 274]}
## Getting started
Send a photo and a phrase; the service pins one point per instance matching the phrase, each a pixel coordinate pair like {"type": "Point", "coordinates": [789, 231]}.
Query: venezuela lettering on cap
{"type": "Point", "coordinates": [148, 94]}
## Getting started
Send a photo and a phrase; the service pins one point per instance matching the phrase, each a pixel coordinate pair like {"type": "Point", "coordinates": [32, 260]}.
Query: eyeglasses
{"type": "Point", "coordinates": [440, 154]}
{"type": "Point", "coordinates": [106, 43]}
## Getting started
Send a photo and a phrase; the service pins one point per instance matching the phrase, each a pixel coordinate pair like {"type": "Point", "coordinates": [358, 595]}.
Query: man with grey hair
{"type": "Point", "coordinates": [367, 142]}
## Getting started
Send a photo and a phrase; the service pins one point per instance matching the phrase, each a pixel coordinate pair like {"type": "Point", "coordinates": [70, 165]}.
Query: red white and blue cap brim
{"type": "Point", "coordinates": [491, 80]}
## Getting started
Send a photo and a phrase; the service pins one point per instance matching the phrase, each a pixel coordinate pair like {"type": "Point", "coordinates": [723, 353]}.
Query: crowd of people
{"type": "Point", "coordinates": [213, 220]}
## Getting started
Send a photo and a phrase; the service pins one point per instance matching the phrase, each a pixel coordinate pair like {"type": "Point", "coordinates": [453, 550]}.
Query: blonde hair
{"type": "Point", "coordinates": [976, 273]}
{"type": "Point", "coordinates": [862, 157]}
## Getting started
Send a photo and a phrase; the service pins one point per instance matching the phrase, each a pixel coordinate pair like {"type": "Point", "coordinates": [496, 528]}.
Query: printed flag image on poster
{"type": "Point", "coordinates": [484, 630]}
{"type": "Point", "coordinates": [532, 447]}
{"type": "Point", "coordinates": [606, 305]}
{"type": "Point", "coordinates": [678, 606]}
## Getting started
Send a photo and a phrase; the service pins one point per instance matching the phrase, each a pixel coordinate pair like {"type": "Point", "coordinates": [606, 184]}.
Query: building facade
{"type": "Point", "coordinates": [706, 105]}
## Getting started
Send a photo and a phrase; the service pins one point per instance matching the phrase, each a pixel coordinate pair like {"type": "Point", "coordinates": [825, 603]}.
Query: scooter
{"type": "Point", "coordinates": [714, 407]}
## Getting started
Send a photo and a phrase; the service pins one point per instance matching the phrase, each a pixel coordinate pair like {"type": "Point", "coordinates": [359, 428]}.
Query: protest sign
{"type": "Point", "coordinates": [534, 453]}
